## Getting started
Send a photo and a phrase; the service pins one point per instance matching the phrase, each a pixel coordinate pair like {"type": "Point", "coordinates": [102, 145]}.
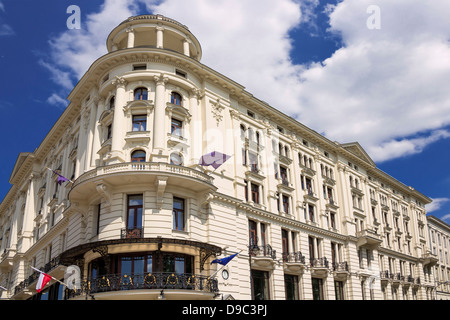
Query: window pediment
{"type": "Point", "coordinates": [179, 111]}
{"type": "Point", "coordinates": [138, 106]}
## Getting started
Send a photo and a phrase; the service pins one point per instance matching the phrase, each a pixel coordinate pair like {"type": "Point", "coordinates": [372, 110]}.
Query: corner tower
{"type": "Point", "coordinates": [154, 31]}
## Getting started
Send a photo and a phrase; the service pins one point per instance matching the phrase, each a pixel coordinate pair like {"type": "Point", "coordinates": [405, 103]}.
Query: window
{"type": "Point", "coordinates": [109, 132]}
{"type": "Point", "coordinates": [178, 214]}
{"type": "Point", "coordinates": [253, 238]}
{"type": "Point", "coordinates": [291, 287]}
{"type": "Point", "coordinates": [180, 73]}
{"type": "Point", "coordinates": [311, 212]}
{"type": "Point", "coordinates": [97, 218]}
{"type": "Point", "coordinates": [176, 127]}
{"type": "Point", "coordinates": [260, 285]}
{"type": "Point", "coordinates": [138, 156]}
{"type": "Point", "coordinates": [139, 67]}
{"type": "Point", "coordinates": [139, 123]}
{"type": "Point", "coordinates": [112, 102]}
{"type": "Point", "coordinates": [255, 193]}
{"type": "Point", "coordinates": [253, 161]}
{"type": "Point", "coordinates": [285, 204]}
{"type": "Point", "coordinates": [339, 290]}
{"type": "Point", "coordinates": [141, 94]}
{"type": "Point", "coordinates": [176, 99]}
{"type": "Point", "coordinates": [176, 159]}
{"type": "Point", "coordinates": [285, 241]}
{"type": "Point", "coordinates": [134, 212]}
{"type": "Point", "coordinates": [283, 174]}
{"type": "Point", "coordinates": [317, 286]}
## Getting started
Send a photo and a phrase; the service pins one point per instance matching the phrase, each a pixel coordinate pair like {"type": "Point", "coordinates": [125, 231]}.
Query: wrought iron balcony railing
{"type": "Point", "coordinates": [132, 233]}
{"type": "Point", "coordinates": [158, 280]}
{"type": "Point", "coordinates": [340, 266]}
{"type": "Point", "coordinates": [319, 263]}
{"type": "Point", "coordinates": [266, 251]}
{"type": "Point", "coordinates": [294, 257]}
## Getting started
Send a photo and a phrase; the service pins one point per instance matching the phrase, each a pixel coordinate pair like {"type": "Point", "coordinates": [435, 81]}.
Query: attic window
{"type": "Point", "coordinates": [180, 73]}
{"type": "Point", "coordinates": [250, 114]}
{"type": "Point", "coordinates": [137, 67]}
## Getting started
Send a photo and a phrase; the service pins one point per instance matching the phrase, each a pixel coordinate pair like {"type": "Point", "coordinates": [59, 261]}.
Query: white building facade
{"type": "Point", "coordinates": [439, 246]}
{"type": "Point", "coordinates": [143, 219]}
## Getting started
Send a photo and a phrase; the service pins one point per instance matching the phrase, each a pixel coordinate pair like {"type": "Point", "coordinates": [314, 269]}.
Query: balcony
{"type": "Point", "coordinates": [147, 286]}
{"type": "Point", "coordinates": [294, 262]}
{"type": "Point", "coordinates": [157, 174]}
{"type": "Point", "coordinates": [132, 233]}
{"type": "Point", "coordinates": [429, 258]}
{"type": "Point", "coordinates": [368, 238]}
{"type": "Point", "coordinates": [319, 267]}
{"type": "Point", "coordinates": [262, 256]}
{"type": "Point", "coordinates": [340, 270]}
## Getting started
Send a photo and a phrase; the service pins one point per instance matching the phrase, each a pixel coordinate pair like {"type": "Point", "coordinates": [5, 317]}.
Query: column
{"type": "Point", "coordinates": [118, 122]}
{"type": "Point", "coordinates": [196, 141]}
{"type": "Point", "coordinates": [29, 214]}
{"type": "Point", "coordinates": [186, 47]}
{"type": "Point", "coordinates": [159, 37]}
{"type": "Point", "coordinates": [130, 32]}
{"type": "Point", "coordinates": [90, 134]}
{"type": "Point", "coordinates": [97, 133]}
{"type": "Point", "coordinates": [159, 153]}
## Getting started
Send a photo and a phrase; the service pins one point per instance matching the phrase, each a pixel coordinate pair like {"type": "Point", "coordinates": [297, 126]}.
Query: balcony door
{"type": "Point", "coordinates": [134, 213]}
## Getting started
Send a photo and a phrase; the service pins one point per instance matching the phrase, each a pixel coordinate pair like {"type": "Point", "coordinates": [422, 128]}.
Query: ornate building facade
{"type": "Point", "coordinates": [142, 217]}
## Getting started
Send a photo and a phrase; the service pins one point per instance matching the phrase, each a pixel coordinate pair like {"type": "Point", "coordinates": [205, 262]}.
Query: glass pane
{"type": "Point", "coordinates": [138, 265]}
{"type": "Point", "coordinates": [130, 218]}
{"type": "Point", "coordinates": [168, 263]}
{"type": "Point", "coordinates": [139, 218]}
{"type": "Point", "coordinates": [149, 263]}
{"type": "Point", "coordinates": [135, 200]}
{"type": "Point", "coordinates": [178, 203]}
{"type": "Point", "coordinates": [179, 265]}
{"type": "Point", "coordinates": [125, 265]}
{"type": "Point", "coordinates": [180, 221]}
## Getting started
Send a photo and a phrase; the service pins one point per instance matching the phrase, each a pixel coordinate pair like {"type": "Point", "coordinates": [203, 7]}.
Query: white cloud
{"type": "Point", "coordinates": [77, 49]}
{"type": "Point", "coordinates": [446, 218]}
{"type": "Point", "coordinates": [6, 30]}
{"type": "Point", "coordinates": [384, 85]}
{"type": "Point", "coordinates": [385, 88]}
{"type": "Point", "coordinates": [57, 100]}
{"type": "Point", "coordinates": [436, 205]}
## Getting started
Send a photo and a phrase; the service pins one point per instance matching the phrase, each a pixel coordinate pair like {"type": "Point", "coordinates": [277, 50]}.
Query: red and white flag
{"type": "Point", "coordinates": [42, 281]}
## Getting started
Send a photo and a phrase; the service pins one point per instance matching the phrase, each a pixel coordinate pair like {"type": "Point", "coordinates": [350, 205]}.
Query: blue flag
{"type": "Point", "coordinates": [225, 260]}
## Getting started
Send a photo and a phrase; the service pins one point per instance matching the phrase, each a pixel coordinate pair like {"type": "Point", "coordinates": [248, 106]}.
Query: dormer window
{"type": "Point", "coordinates": [141, 94]}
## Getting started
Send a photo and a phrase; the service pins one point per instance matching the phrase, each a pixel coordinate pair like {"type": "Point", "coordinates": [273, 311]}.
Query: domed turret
{"type": "Point", "coordinates": [154, 31]}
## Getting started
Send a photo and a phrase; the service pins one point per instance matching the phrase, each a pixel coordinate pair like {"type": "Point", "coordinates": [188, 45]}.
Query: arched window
{"type": "Point", "coordinates": [176, 159]}
{"type": "Point", "coordinates": [112, 102]}
{"type": "Point", "coordinates": [138, 156]}
{"type": "Point", "coordinates": [176, 98]}
{"type": "Point", "coordinates": [140, 94]}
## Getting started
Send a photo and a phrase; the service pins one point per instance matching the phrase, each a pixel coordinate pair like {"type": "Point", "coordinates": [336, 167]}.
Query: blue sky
{"type": "Point", "coordinates": [386, 88]}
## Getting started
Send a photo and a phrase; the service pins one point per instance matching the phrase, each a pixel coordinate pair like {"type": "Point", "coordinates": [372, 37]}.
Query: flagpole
{"type": "Point", "coordinates": [49, 276]}
{"type": "Point", "coordinates": [221, 267]}
{"type": "Point", "coordinates": [59, 174]}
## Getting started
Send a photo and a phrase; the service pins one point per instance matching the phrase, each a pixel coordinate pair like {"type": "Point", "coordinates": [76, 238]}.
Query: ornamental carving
{"type": "Point", "coordinates": [217, 110]}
